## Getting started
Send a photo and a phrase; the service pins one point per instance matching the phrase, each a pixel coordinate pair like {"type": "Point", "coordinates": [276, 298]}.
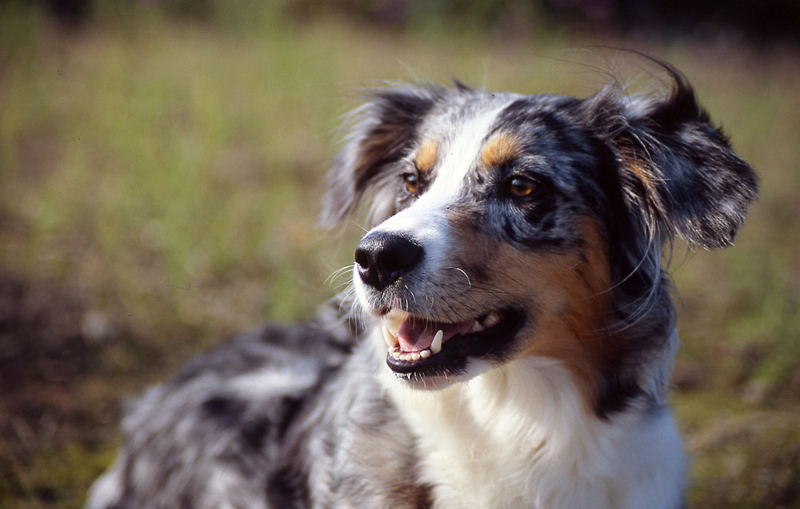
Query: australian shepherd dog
{"type": "Point", "coordinates": [515, 335]}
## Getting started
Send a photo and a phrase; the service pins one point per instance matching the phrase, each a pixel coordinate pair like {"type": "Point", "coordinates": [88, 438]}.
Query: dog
{"type": "Point", "coordinates": [516, 336]}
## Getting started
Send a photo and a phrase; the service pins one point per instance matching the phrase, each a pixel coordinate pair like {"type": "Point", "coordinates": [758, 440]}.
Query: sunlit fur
{"type": "Point", "coordinates": [567, 408]}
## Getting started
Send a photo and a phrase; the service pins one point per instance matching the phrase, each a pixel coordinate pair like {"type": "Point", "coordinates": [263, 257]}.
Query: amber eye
{"type": "Point", "coordinates": [521, 187]}
{"type": "Point", "coordinates": [411, 182]}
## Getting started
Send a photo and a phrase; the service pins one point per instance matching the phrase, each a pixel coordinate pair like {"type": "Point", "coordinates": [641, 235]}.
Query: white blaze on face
{"type": "Point", "coordinates": [425, 219]}
{"type": "Point", "coordinates": [461, 154]}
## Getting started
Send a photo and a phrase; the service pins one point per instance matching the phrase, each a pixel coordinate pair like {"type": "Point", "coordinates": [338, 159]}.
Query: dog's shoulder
{"type": "Point", "coordinates": [214, 433]}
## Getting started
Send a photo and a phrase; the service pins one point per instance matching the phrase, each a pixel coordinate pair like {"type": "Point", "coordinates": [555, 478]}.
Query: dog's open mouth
{"type": "Point", "coordinates": [422, 346]}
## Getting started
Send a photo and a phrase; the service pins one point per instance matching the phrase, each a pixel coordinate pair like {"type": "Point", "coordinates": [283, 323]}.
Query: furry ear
{"type": "Point", "coordinates": [677, 168]}
{"type": "Point", "coordinates": [381, 132]}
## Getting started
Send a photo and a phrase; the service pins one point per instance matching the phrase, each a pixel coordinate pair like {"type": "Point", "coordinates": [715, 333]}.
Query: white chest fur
{"type": "Point", "coordinates": [520, 436]}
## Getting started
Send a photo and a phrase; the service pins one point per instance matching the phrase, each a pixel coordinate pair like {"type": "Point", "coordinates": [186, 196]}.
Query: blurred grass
{"type": "Point", "coordinates": [159, 184]}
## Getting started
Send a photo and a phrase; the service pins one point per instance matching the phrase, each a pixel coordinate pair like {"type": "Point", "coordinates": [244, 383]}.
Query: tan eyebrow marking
{"type": "Point", "coordinates": [501, 148]}
{"type": "Point", "coordinates": [427, 155]}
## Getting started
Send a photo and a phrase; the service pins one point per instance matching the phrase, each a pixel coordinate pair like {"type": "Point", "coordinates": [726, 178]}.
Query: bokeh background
{"type": "Point", "coordinates": [160, 177]}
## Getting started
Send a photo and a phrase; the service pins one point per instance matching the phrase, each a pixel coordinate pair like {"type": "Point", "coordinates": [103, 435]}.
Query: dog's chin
{"type": "Point", "coordinates": [432, 355]}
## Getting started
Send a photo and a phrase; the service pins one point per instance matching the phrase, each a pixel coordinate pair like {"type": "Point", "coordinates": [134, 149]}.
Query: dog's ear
{"type": "Point", "coordinates": [380, 133]}
{"type": "Point", "coordinates": [677, 169]}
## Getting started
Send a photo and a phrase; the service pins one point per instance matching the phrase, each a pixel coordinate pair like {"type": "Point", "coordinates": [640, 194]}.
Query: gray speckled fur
{"type": "Point", "coordinates": [218, 436]}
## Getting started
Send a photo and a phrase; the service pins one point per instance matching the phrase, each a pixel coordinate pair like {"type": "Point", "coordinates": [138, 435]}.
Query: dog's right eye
{"type": "Point", "coordinates": [411, 182]}
{"type": "Point", "coordinates": [521, 187]}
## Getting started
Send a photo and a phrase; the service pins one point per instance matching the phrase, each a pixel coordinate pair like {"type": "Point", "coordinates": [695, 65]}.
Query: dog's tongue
{"type": "Point", "coordinates": [416, 335]}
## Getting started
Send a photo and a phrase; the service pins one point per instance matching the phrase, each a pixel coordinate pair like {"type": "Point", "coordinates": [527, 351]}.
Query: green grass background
{"type": "Point", "coordinates": [159, 185]}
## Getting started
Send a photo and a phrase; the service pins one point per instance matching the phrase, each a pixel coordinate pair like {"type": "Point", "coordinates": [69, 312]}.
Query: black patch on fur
{"type": "Point", "coordinates": [391, 119]}
{"type": "Point", "coordinates": [290, 408]}
{"type": "Point", "coordinates": [398, 116]}
{"type": "Point", "coordinates": [617, 390]}
{"type": "Point", "coordinates": [223, 409]}
{"type": "Point", "coordinates": [254, 433]}
{"type": "Point", "coordinates": [523, 111]}
{"type": "Point", "coordinates": [285, 490]}
{"type": "Point", "coordinates": [186, 501]}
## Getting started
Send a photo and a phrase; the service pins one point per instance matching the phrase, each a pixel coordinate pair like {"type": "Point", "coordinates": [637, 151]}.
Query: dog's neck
{"type": "Point", "coordinates": [522, 435]}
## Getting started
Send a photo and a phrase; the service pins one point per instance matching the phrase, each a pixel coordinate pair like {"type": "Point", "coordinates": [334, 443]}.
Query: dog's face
{"type": "Point", "coordinates": [508, 226]}
{"type": "Point", "coordinates": [492, 237]}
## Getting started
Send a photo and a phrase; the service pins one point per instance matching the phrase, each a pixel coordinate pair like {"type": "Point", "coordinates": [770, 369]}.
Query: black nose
{"type": "Point", "coordinates": [383, 257]}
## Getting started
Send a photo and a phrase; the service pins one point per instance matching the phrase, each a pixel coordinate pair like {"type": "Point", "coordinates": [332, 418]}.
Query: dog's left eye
{"type": "Point", "coordinates": [411, 182]}
{"type": "Point", "coordinates": [521, 187]}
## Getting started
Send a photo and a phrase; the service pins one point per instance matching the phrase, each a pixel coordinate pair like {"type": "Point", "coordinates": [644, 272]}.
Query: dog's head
{"type": "Point", "coordinates": [506, 225]}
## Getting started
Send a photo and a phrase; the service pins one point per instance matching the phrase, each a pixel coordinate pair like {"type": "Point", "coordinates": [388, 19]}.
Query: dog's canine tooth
{"type": "Point", "coordinates": [436, 346]}
{"type": "Point", "coordinates": [394, 319]}
{"type": "Point", "coordinates": [390, 338]}
{"type": "Point", "coordinates": [491, 319]}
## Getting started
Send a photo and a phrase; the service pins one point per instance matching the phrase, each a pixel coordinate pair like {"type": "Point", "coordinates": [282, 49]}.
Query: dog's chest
{"type": "Point", "coordinates": [478, 447]}
{"type": "Point", "coordinates": [475, 476]}
{"type": "Point", "coordinates": [504, 440]}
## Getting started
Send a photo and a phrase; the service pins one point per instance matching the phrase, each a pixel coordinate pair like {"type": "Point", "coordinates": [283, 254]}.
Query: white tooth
{"type": "Point", "coordinates": [394, 319]}
{"type": "Point", "coordinates": [415, 356]}
{"type": "Point", "coordinates": [491, 320]}
{"type": "Point", "coordinates": [476, 327]}
{"type": "Point", "coordinates": [436, 346]}
{"type": "Point", "coordinates": [425, 353]}
{"type": "Point", "coordinates": [390, 338]}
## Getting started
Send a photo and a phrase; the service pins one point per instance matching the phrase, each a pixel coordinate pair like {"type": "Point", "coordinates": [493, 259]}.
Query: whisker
{"type": "Point", "coordinates": [469, 283]}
